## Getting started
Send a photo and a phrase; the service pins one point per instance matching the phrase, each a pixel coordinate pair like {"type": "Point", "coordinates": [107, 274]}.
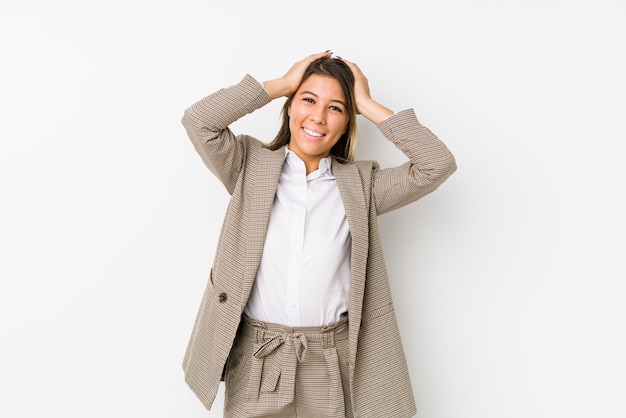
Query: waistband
{"type": "Point", "coordinates": [327, 334]}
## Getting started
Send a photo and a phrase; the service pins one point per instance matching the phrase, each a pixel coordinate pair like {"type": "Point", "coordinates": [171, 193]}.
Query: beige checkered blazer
{"type": "Point", "coordinates": [379, 379]}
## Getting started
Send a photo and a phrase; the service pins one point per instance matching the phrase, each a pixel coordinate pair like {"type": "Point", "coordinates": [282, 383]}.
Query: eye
{"type": "Point", "coordinates": [308, 100]}
{"type": "Point", "coordinates": [336, 109]}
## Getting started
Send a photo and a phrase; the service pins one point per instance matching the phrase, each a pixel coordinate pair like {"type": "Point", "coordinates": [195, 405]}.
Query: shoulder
{"type": "Point", "coordinates": [363, 167]}
{"type": "Point", "coordinates": [359, 172]}
{"type": "Point", "coordinates": [257, 153]}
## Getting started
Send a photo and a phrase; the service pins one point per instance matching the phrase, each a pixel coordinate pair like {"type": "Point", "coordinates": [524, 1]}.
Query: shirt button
{"type": "Point", "coordinates": [222, 297]}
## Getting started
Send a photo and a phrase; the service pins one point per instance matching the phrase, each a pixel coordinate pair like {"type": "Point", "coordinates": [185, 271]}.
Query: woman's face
{"type": "Point", "coordinates": [317, 119]}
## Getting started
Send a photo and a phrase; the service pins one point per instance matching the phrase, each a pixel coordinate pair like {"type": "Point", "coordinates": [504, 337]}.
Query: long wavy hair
{"type": "Point", "coordinates": [345, 148]}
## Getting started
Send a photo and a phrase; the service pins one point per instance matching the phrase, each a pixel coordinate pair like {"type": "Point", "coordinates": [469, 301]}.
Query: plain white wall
{"type": "Point", "coordinates": [509, 280]}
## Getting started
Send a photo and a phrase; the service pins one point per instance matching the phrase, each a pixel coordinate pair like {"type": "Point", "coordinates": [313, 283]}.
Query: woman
{"type": "Point", "coordinates": [297, 316]}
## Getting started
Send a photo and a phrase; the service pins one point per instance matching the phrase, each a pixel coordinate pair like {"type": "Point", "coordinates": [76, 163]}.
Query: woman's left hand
{"type": "Point", "coordinates": [365, 105]}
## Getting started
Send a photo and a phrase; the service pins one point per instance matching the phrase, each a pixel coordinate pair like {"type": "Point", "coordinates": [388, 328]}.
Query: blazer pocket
{"type": "Point", "coordinates": [211, 277]}
{"type": "Point", "coordinates": [378, 312]}
{"type": "Point", "coordinates": [237, 361]}
{"type": "Point", "coordinates": [382, 386]}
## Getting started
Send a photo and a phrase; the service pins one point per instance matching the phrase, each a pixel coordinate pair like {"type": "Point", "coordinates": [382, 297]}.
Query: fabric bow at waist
{"type": "Point", "coordinates": [280, 350]}
{"type": "Point", "coordinates": [290, 349]}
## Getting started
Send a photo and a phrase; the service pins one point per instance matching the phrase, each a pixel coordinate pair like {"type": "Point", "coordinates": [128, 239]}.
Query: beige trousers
{"type": "Point", "coordinates": [279, 371]}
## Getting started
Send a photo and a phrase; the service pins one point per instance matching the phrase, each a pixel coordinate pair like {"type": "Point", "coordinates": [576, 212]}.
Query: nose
{"type": "Point", "coordinates": [318, 115]}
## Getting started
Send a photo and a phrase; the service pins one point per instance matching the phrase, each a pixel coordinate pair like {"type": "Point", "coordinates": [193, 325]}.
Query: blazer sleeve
{"type": "Point", "coordinates": [430, 163]}
{"type": "Point", "coordinates": [207, 121]}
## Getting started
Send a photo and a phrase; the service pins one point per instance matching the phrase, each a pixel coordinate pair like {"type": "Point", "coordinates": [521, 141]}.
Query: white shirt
{"type": "Point", "coordinates": [304, 274]}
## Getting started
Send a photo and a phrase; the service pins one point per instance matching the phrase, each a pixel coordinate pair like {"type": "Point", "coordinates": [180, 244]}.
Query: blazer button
{"type": "Point", "coordinates": [222, 297]}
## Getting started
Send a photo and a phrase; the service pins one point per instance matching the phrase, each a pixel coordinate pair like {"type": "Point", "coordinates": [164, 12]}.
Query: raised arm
{"type": "Point", "coordinates": [430, 161]}
{"type": "Point", "coordinates": [207, 121]}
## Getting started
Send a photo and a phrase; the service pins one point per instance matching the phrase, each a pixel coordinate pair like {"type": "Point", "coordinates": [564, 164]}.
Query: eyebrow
{"type": "Point", "coordinates": [313, 94]}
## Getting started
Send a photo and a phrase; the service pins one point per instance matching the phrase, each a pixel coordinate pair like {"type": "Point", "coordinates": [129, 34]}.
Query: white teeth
{"type": "Point", "coordinates": [312, 133]}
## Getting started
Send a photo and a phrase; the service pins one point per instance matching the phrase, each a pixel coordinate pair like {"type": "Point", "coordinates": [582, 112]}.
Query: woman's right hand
{"type": "Point", "coordinates": [289, 83]}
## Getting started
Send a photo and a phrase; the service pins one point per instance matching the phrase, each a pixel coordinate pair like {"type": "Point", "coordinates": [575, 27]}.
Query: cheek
{"type": "Point", "coordinates": [342, 128]}
{"type": "Point", "coordinates": [292, 115]}
{"type": "Point", "coordinates": [292, 124]}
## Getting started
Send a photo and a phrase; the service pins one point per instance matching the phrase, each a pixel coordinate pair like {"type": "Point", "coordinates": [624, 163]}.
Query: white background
{"type": "Point", "coordinates": [509, 280]}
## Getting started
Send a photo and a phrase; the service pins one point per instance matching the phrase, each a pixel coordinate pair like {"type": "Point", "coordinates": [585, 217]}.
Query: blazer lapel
{"type": "Point", "coordinates": [266, 171]}
{"type": "Point", "coordinates": [352, 194]}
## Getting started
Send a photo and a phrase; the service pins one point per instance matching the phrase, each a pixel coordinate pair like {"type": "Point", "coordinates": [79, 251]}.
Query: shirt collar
{"type": "Point", "coordinates": [323, 168]}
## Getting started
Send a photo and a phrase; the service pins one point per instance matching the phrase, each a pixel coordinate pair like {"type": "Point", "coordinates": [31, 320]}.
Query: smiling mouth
{"type": "Point", "coordinates": [313, 133]}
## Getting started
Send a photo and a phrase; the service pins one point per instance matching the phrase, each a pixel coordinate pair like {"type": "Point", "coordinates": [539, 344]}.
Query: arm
{"type": "Point", "coordinates": [430, 162]}
{"type": "Point", "coordinates": [207, 123]}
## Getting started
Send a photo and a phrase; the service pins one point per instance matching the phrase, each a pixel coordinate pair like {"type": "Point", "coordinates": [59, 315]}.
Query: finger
{"type": "Point", "coordinates": [310, 58]}
{"type": "Point", "coordinates": [352, 65]}
{"type": "Point", "coordinates": [326, 53]}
